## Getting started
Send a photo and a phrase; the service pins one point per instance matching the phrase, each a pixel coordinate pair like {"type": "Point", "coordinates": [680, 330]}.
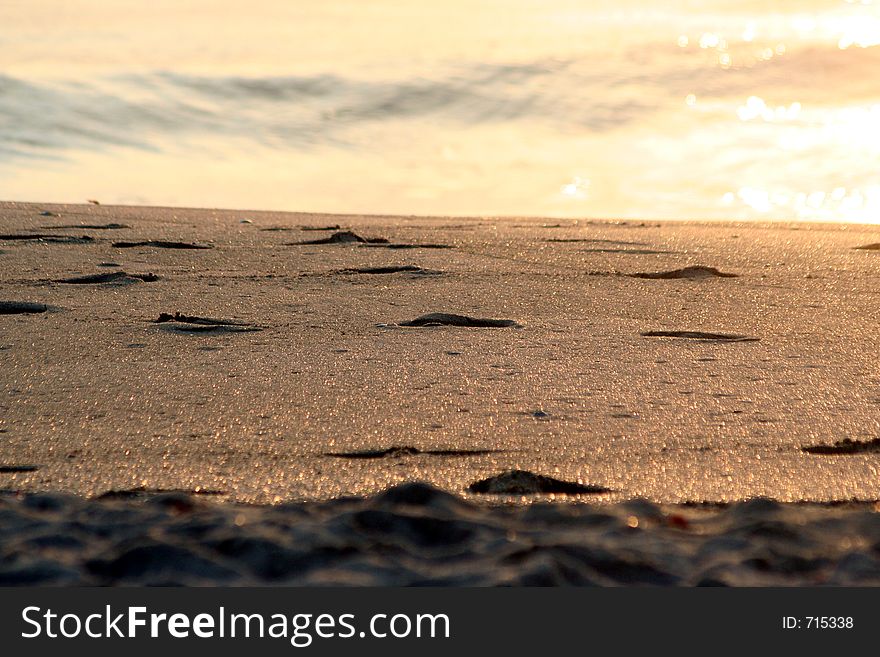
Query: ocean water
{"type": "Point", "coordinates": [628, 108]}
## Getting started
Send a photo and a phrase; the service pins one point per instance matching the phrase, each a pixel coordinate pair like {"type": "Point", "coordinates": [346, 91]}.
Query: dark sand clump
{"type": "Point", "coordinates": [696, 272]}
{"type": "Point", "coordinates": [401, 269]}
{"type": "Point", "coordinates": [349, 237]}
{"type": "Point", "coordinates": [585, 240]}
{"type": "Point", "coordinates": [628, 251]}
{"type": "Point", "coordinates": [192, 324]}
{"type": "Point", "coordinates": [161, 244]}
{"type": "Point", "coordinates": [50, 239]}
{"type": "Point", "coordinates": [845, 446]}
{"type": "Point", "coordinates": [342, 237]}
{"type": "Point", "coordinates": [522, 482]}
{"type": "Point", "coordinates": [282, 229]}
{"type": "Point", "coordinates": [446, 319]}
{"type": "Point", "coordinates": [700, 335]}
{"type": "Point", "coordinates": [21, 307]}
{"type": "Point", "coordinates": [318, 228]}
{"type": "Point", "coordinates": [118, 277]}
{"type": "Point", "coordinates": [142, 492]}
{"type": "Point", "coordinates": [410, 246]}
{"type": "Point", "coordinates": [399, 452]}
{"type": "Point", "coordinates": [110, 226]}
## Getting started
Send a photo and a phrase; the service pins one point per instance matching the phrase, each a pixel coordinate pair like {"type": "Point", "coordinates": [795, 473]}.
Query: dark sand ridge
{"type": "Point", "coordinates": [109, 277]}
{"type": "Point", "coordinates": [349, 237]}
{"type": "Point", "coordinates": [846, 446]}
{"type": "Point", "coordinates": [110, 226]}
{"type": "Point", "coordinates": [391, 269]}
{"type": "Point", "coordinates": [161, 244]}
{"type": "Point", "coordinates": [21, 307]}
{"type": "Point", "coordinates": [276, 229]}
{"type": "Point", "coordinates": [694, 272]}
{"type": "Point", "coordinates": [700, 335]}
{"type": "Point", "coordinates": [629, 251]}
{"type": "Point", "coordinates": [51, 239]}
{"type": "Point", "coordinates": [117, 404]}
{"type": "Point", "coordinates": [449, 319]}
{"type": "Point", "coordinates": [181, 323]}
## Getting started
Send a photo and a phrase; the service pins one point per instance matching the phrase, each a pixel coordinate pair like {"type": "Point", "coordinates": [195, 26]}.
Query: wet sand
{"type": "Point", "coordinates": [275, 357]}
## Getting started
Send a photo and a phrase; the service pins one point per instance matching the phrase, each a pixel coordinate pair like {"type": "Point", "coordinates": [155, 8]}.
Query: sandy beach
{"type": "Point", "coordinates": [219, 358]}
{"type": "Point", "coordinates": [418, 535]}
{"type": "Point", "coordinates": [316, 375]}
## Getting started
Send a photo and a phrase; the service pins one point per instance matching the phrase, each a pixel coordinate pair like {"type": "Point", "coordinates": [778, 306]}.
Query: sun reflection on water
{"type": "Point", "coordinates": [577, 188]}
{"type": "Point", "coordinates": [855, 205]}
{"type": "Point", "coordinates": [756, 107]}
{"type": "Point", "coordinates": [687, 108]}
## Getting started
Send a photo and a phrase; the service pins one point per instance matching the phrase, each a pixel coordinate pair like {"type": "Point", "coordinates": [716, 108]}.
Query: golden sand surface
{"type": "Point", "coordinates": [689, 386]}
